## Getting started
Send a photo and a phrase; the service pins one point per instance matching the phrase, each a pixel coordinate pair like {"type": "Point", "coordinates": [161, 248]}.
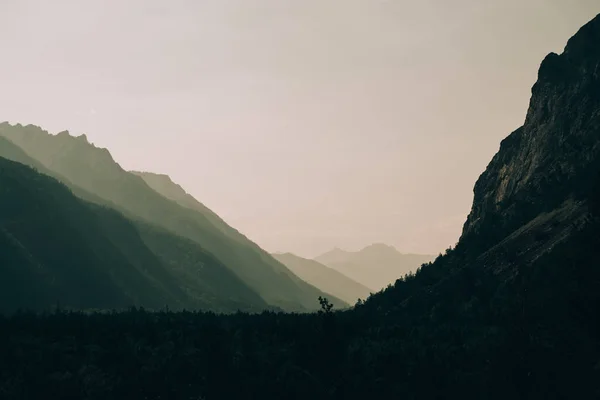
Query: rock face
{"type": "Point", "coordinates": [554, 156]}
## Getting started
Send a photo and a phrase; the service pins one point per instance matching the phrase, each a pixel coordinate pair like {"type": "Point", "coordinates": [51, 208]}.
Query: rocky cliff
{"type": "Point", "coordinates": [550, 161]}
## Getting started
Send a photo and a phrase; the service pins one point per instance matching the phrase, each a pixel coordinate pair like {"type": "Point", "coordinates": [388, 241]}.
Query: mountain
{"type": "Point", "coordinates": [57, 248]}
{"type": "Point", "coordinates": [164, 185]}
{"type": "Point", "coordinates": [200, 275]}
{"type": "Point", "coordinates": [523, 283]}
{"type": "Point", "coordinates": [12, 152]}
{"type": "Point", "coordinates": [103, 181]}
{"type": "Point", "coordinates": [375, 266]}
{"type": "Point", "coordinates": [208, 284]}
{"type": "Point", "coordinates": [537, 204]}
{"type": "Point", "coordinates": [325, 278]}
{"type": "Point", "coordinates": [510, 313]}
{"type": "Point", "coordinates": [551, 162]}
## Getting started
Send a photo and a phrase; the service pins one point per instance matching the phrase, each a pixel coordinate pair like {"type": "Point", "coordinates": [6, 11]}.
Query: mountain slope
{"type": "Point", "coordinates": [164, 185]}
{"type": "Point", "coordinates": [325, 278]}
{"type": "Point", "coordinates": [375, 266]}
{"type": "Point", "coordinates": [510, 313]}
{"type": "Point", "coordinates": [200, 275]}
{"type": "Point", "coordinates": [523, 283]}
{"type": "Point", "coordinates": [12, 152]}
{"type": "Point", "coordinates": [555, 154]}
{"type": "Point", "coordinates": [516, 302]}
{"type": "Point", "coordinates": [540, 194]}
{"type": "Point", "coordinates": [58, 248]}
{"type": "Point", "coordinates": [94, 170]}
{"type": "Point", "coordinates": [341, 287]}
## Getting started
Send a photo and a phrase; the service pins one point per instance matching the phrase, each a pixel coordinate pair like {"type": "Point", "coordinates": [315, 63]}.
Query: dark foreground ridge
{"type": "Point", "coordinates": [511, 312]}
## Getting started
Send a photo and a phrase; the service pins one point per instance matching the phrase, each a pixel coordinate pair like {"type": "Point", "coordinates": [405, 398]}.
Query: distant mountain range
{"type": "Point", "coordinates": [325, 278]}
{"type": "Point", "coordinates": [375, 266]}
{"type": "Point", "coordinates": [162, 213]}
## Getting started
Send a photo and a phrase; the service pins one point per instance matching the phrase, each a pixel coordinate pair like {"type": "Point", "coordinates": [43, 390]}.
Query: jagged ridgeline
{"type": "Point", "coordinates": [540, 190]}
{"type": "Point", "coordinates": [93, 175]}
{"type": "Point", "coordinates": [510, 313]}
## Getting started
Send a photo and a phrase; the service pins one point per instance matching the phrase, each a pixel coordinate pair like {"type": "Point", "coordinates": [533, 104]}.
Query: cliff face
{"type": "Point", "coordinates": [554, 156]}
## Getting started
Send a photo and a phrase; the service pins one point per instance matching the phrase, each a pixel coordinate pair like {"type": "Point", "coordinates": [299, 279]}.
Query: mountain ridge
{"type": "Point", "coordinates": [95, 171]}
{"type": "Point", "coordinates": [103, 247]}
{"type": "Point", "coordinates": [327, 279]}
{"type": "Point", "coordinates": [374, 266]}
{"type": "Point", "coordinates": [511, 312]}
{"type": "Point", "coordinates": [550, 157]}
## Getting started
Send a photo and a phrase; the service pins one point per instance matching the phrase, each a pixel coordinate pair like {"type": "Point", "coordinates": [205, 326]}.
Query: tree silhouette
{"type": "Point", "coordinates": [326, 306]}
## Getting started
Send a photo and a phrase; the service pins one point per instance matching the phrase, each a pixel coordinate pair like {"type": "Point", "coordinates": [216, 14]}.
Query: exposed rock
{"type": "Point", "coordinates": [554, 155]}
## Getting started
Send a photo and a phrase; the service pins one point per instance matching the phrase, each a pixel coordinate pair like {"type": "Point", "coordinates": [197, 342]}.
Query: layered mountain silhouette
{"type": "Point", "coordinates": [375, 266]}
{"type": "Point", "coordinates": [165, 186]}
{"type": "Point", "coordinates": [510, 312]}
{"type": "Point", "coordinates": [93, 175]}
{"type": "Point", "coordinates": [57, 249]}
{"type": "Point", "coordinates": [325, 278]}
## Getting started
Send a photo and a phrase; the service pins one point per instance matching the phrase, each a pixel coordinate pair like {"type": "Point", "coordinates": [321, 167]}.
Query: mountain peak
{"type": "Point", "coordinates": [375, 266]}
{"type": "Point", "coordinates": [166, 186]}
{"type": "Point", "coordinates": [379, 247]}
{"type": "Point", "coordinates": [584, 45]}
{"type": "Point", "coordinates": [324, 278]}
{"type": "Point", "coordinates": [163, 177]}
{"type": "Point", "coordinates": [337, 249]}
{"type": "Point", "coordinates": [67, 135]}
{"type": "Point", "coordinates": [552, 157]}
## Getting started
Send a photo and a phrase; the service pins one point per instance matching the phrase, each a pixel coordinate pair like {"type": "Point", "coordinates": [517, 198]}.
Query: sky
{"type": "Point", "coordinates": [305, 124]}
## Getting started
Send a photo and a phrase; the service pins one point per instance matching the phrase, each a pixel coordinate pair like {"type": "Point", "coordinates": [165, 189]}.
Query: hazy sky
{"type": "Point", "coordinates": [306, 124]}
